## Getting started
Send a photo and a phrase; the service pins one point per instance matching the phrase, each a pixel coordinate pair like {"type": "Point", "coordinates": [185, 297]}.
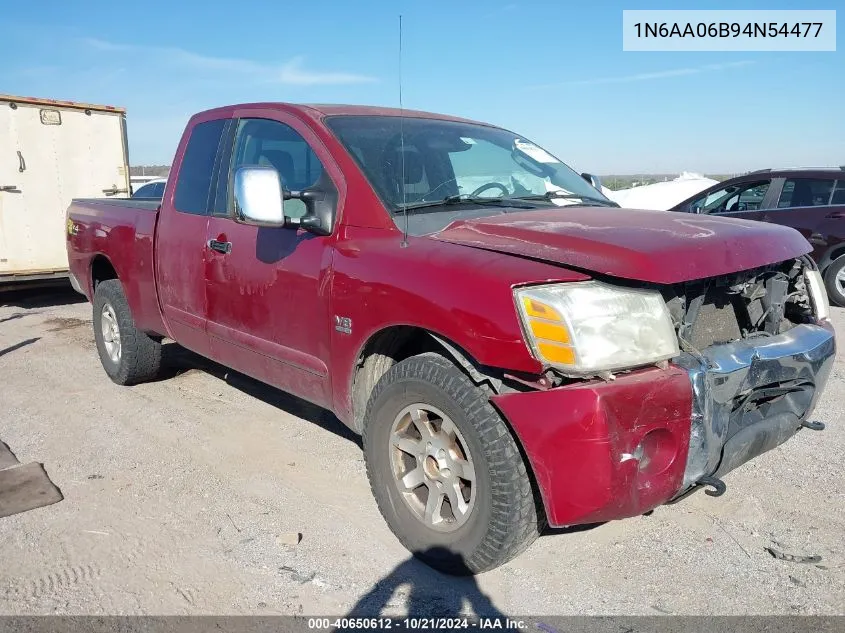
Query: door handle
{"type": "Point", "coordinates": [220, 247]}
{"type": "Point", "coordinates": [21, 163]}
{"type": "Point", "coordinates": [836, 215]}
{"type": "Point", "coordinates": [11, 188]}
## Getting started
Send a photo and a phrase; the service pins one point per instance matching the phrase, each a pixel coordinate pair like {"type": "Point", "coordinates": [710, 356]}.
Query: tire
{"type": "Point", "coordinates": [836, 289]}
{"type": "Point", "coordinates": [138, 357]}
{"type": "Point", "coordinates": [502, 519]}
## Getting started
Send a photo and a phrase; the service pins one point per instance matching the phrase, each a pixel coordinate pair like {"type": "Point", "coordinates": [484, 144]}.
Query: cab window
{"type": "Point", "coordinates": [274, 144]}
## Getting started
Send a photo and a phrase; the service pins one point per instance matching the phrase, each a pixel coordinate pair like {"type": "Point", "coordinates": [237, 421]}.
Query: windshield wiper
{"type": "Point", "coordinates": [552, 195]}
{"type": "Point", "coordinates": [456, 199]}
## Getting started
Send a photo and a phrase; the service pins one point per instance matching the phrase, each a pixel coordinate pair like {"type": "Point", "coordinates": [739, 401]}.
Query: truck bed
{"type": "Point", "coordinates": [116, 235]}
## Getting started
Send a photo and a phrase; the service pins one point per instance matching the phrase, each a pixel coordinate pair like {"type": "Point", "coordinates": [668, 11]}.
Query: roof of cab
{"type": "Point", "coordinates": [363, 110]}
{"type": "Point", "coordinates": [319, 111]}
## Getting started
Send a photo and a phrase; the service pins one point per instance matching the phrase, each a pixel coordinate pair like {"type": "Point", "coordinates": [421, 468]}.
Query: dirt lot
{"type": "Point", "coordinates": [179, 494]}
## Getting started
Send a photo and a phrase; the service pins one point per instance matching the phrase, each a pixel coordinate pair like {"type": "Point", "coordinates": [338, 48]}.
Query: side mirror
{"type": "Point", "coordinates": [593, 180]}
{"type": "Point", "coordinates": [259, 198]}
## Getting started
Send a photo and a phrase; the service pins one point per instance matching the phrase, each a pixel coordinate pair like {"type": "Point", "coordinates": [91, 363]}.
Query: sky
{"type": "Point", "coordinates": [552, 71]}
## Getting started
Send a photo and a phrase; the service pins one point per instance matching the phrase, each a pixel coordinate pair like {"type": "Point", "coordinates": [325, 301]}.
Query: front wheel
{"type": "Point", "coordinates": [445, 470]}
{"type": "Point", "coordinates": [128, 355]}
{"type": "Point", "coordinates": [834, 280]}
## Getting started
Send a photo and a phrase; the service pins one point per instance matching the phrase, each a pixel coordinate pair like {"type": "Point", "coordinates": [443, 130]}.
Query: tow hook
{"type": "Point", "coordinates": [813, 426]}
{"type": "Point", "coordinates": [718, 486]}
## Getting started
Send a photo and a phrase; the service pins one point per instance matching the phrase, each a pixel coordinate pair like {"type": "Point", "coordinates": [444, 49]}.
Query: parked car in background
{"type": "Point", "coordinates": [661, 196]}
{"type": "Point", "coordinates": [509, 361]}
{"type": "Point", "coordinates": [809, 200]}
{"type": "Point", "coordinates": [138, 181]}
{"type": "Point", "coordinates": [152, 189]}
{"type": "Point", "coordinates": [51, 152]}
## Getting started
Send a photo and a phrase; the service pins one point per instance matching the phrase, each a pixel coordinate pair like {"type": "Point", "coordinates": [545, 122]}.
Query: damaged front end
{"type": "Point", "coordinates": [755, 351]}
{"type": "Point", "coordinates": [758, 351]}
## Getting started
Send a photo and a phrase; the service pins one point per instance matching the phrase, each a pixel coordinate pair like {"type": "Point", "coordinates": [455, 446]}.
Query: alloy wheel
{"type": "Point", "coordinates": [432, 467]}
{"type": "Point", "coordinates": [111, 332]}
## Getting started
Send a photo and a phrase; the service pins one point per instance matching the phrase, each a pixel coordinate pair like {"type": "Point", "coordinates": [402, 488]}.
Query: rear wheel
{"type": "Point", "coordinates": [834, 278]}
{"type": "Point", "coordinates": [128, 355]}
{"type": "Point", "coordinates": [445, 470]}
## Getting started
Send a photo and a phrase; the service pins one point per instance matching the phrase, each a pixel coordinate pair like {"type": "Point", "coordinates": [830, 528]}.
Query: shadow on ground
{"type": "Point", "coordinates": [40, 296]}
{"type": "Point", "coordinates": [176, 361]}
{"type": "Point", "coordinates": [16, 346]}
{"type": "Point", "coordinates": [426, 592]}
{"type": "Point", "coordinates": [572, 529]}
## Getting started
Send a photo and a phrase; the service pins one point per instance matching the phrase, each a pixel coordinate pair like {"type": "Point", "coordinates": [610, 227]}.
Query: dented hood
{"type": "Point", "coordinates": [653, 246]}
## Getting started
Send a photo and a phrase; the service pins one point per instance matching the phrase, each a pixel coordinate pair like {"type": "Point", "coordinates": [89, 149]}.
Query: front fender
{"type": "Point", "coordinates": [461, 294]}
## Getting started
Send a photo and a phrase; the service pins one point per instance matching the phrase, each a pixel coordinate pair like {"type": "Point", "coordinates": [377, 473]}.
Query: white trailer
{"type": "Point", "coordinates": [51, 152]}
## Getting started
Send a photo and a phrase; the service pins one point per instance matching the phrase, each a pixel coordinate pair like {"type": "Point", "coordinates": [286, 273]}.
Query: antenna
{"type": "Point", "coordinates": [402, 142]}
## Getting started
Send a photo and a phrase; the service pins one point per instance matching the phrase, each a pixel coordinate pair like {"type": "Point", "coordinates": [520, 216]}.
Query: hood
{"type": "Point", "coordinates": [651, 246]}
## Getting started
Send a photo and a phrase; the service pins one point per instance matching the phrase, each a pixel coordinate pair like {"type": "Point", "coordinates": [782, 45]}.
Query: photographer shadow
{"type": "Point", "coordinates": [427, 592]}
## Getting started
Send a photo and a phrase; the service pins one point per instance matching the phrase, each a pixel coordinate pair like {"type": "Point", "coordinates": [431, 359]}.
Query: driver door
{"type": "Point", "coordinates": [268, 309]}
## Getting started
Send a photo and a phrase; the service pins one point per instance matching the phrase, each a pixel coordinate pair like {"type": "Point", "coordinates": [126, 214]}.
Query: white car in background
{"type": "Point", "coordinates": [661, 196]}
{"type": "Point", "coordinates": [151, 189]}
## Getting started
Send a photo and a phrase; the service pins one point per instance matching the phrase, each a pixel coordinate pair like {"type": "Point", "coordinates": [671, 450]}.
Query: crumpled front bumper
{"type": "Point", "coordinates": [751, 396]}
{"type": "Point", "coordinates": [609, 450]}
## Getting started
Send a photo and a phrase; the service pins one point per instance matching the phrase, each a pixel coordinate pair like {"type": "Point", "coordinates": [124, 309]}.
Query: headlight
{"type": "Point", "coordinates": [589, 327]}
{"type": "Point", "coordinates": [818, 294]}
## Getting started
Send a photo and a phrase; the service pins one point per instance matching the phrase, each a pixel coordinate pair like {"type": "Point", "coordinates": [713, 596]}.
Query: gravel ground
{"type": "Point", "coordinates": [179, 495]}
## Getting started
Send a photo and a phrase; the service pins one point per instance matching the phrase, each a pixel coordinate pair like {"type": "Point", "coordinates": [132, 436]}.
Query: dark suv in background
{"type": "Point", "coordinates": [810, 200]}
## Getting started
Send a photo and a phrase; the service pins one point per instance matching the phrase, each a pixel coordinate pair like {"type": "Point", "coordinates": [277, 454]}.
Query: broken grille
{"type": "Point", "coordinates": [762, 302]}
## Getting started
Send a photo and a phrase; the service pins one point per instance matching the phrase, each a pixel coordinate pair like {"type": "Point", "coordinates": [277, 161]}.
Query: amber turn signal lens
{"type": "Point", "coordinates": [549, 331]}
{"type": "Point", "coordinates": [555, 353]}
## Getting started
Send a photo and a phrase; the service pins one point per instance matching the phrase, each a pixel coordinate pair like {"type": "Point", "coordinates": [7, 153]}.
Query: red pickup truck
{"type": "Point", "coordinates": [515, 349]}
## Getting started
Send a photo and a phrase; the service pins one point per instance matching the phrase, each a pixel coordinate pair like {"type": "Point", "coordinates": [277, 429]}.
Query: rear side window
{"type": "Point", "coordinates": [197, 170]}
{"type": "Point", "coordinates": [805, 192]}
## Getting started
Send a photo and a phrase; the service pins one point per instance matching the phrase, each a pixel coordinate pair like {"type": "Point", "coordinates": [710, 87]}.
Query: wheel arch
{"type": "Point", "coordinates": [101, 269]}
{"type": "Point", "coordinates": [139, 289]}
{"type": "Point", "coordinates": [395, 343]}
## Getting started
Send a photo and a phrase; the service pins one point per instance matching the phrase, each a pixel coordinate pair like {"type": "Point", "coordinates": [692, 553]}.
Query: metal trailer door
{"type": "Point", "coordinates": [14, 228]}
{"type": "Point", "coordinates": [52, 154]}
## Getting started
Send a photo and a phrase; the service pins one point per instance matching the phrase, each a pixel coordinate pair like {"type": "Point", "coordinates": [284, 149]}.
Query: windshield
{"type": "Point", "coordinates": [452, 169]}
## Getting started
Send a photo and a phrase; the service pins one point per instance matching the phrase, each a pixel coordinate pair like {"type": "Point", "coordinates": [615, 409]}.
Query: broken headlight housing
{"type": "Point", "coordinates": [818, 294]}
{"type": "Point", "coordinates": [587, 328]}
